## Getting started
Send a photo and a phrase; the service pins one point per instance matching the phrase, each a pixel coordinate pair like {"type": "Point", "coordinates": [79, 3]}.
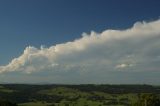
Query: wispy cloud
{"type": "Point", "coordinates": [94, 55]}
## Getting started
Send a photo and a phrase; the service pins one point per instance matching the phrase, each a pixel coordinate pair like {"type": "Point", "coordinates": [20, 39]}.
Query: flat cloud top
{"type": "Point", "coordinates": [113, 56]}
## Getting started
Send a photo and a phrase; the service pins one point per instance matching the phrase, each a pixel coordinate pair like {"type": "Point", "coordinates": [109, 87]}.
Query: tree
{"type": "Point", "coordinates": [148, 100]}
{"type": "Point", "coordinates": [7, 103]}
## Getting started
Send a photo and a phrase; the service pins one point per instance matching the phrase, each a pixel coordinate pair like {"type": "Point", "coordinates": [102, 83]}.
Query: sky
{"type": "Point", "coordinates": [80, 41]}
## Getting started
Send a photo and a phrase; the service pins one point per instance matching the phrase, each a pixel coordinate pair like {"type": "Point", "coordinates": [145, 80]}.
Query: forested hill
{"type": "Point", "coordinates": [87, 88]}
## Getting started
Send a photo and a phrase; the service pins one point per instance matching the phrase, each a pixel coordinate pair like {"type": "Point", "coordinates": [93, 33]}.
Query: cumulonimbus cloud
{"type": "Point", "coordinates": [136, 49]}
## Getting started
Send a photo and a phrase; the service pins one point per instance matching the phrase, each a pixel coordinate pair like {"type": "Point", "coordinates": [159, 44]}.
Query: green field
{"type": "Point", "coordinates": [5, 90]}
{"type": "Point", "coordinates": [76, 95]}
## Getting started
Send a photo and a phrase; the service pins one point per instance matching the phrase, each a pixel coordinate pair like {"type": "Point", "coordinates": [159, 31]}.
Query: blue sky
{"type": "Point", "coordinates": [48, 22]}
{"type": "Point", "coordinates": [25, 23]}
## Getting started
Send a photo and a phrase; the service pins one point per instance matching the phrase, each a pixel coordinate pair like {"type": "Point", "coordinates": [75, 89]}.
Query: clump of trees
{"type": "Point", "coordinates": [7, 103]}
{"type": "Point", "coordinates": [148, 100]}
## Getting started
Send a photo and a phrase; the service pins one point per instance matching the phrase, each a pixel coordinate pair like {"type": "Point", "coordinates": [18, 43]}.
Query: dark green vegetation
{"type": "Point", "coordinates": [79, 95]}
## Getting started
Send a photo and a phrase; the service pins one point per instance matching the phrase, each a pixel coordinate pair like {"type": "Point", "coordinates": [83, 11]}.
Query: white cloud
{"type": "Point", "coordinates": [124, 65]}
{"type": "Point", "coordinates": [94, 55]}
